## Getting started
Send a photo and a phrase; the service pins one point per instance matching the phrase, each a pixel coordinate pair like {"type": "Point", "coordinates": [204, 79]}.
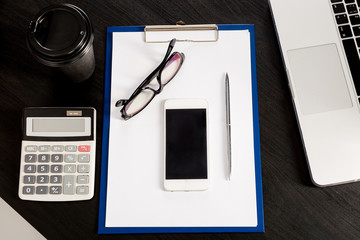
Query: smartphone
{"type": "Point", "coordinates": [186, 145]}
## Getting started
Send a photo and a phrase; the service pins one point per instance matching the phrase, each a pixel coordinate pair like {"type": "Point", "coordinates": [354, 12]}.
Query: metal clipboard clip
{"type": "Point", "coordinates": [182, 33]}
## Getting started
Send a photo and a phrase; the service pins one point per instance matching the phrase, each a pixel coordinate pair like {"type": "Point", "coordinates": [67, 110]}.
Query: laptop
{"type": "Point", "coordinates": [319, 42]}
{"type": "Point", "coordinates": [14, 226]}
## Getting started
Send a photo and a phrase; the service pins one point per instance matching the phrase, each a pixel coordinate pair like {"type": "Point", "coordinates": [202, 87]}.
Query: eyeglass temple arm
{"type": "Point", "coordinates": [171, 46]}
{"type": "Point", "coordinates": [139, 88]}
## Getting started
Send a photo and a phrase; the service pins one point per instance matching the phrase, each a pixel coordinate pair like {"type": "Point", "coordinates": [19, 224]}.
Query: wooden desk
{"type": "Point", "coordinates": [293, 207]}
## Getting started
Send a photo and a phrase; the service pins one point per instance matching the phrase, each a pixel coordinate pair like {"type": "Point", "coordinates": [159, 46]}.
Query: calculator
{"type": "Point", "coordinates": [57, 160]}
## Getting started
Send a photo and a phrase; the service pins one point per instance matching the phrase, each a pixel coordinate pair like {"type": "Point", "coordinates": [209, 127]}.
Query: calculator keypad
{"type": "Point", "coordinates": [56, 169]}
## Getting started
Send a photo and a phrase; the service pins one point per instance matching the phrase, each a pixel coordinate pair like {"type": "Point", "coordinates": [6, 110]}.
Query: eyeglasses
{"type": "Point", "coordinates": [153, 84]}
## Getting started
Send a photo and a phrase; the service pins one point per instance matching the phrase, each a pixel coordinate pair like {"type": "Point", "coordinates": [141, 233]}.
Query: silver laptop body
{"type": "Point", "coordinates": [13, 226]}
{"type": "Point", "coordinates": [321, 79]}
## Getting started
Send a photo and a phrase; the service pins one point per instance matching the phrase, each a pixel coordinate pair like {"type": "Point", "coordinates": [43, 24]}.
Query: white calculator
{"type": "Point", "coordinates": [58, 154]}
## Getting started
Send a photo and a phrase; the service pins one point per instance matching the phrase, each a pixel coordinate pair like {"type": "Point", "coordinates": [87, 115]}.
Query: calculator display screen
{"type": "Point", "coordinates": [58, 126]}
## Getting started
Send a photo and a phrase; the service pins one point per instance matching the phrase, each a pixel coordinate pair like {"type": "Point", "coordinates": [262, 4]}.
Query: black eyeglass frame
{"type": "Point", "coordinates": [143, 85]}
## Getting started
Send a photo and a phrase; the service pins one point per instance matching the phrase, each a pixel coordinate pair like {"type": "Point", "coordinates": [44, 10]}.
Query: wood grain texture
{"type": "Point", "coordinates": [293, 207]}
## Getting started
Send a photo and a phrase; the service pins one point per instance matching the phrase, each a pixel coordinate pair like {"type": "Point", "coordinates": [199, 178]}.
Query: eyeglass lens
{"type": "Point", "coordinates": [139, 102]}
{"type": "Point", "coordinates": [146, 95]}
{"type": "Point", "coordinates": [171, 68]}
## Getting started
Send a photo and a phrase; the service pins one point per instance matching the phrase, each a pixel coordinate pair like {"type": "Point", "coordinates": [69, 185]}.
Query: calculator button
{"type": "Point", "coordinates": [29, 168]}
{"type": "Point", "coordinates": [42, 179]}
{"type": "Point", "coordinates": [56, 179]}
{"type": "Point", "coordinates": [69, 184]}
{"type": "Point", "coordinates": [82, 168]}
{"type": "Point", "coordinates": [30, 158]}
{"type": "Point", "coordinates": [28, 190]}
{"type": "Point", "coordinates": [29, 179]}
{"type": "Point", "coordinates": [56, 168]}
{"type": "Point", "coordinates": [57, 148]}
{"type": "Point", "coordinates": [31, 148]}
{"type": "Point", "coordinates": [55, 189]}
{"type": "Point", "coordinates": [43, 168]}
{"type": "Point", "coordinates": [56, 158]}
{"type": "Point", "coordinates": [44, 148]}
{"type": "Point", "coordinates": [41, 190]}
{"type": "Point", "coordinates": [84, 148]}
{"type": "Point", "coordinates": [70, 158]}
{"type": "Point", "coordinates": [71, 168]}
{"type": "Point", "coordinates": [44, 158]}
{"type": "Point", "coordinates": [83, 179]}
{"type": "Point", "coordinates": [82, 190]}
{"type": "Point", "coordinates": [70, 148]}
{"type": "Point", "coordinates": [84, 158]}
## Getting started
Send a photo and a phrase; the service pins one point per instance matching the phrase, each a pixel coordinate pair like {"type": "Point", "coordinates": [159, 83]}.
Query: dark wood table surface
{"type": "Point", "coordinates": [293, 207]}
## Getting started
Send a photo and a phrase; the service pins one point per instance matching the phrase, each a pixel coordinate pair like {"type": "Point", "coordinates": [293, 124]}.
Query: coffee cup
{"type": "Point", "coordinates": [61, 36]}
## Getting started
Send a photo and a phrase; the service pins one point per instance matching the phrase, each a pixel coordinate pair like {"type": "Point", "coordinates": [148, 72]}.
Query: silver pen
{"type": "Point", "coordinates": [228, 124]}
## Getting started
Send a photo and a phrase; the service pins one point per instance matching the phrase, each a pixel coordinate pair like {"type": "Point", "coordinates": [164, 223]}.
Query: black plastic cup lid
{"type": "Point", "coordinates": [58, 33]}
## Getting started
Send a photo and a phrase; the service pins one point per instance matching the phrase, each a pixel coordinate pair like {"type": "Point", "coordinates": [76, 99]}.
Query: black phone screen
{"type": "Point", "coordinates": [186, 145]}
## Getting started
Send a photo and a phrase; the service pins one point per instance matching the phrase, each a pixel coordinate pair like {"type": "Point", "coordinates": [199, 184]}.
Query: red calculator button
{"type": "Point", "coordinates": [84, 148]}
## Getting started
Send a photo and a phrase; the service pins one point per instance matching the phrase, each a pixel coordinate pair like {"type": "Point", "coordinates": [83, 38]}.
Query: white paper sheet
{"type": "Point", "coordinates": [135, 193]}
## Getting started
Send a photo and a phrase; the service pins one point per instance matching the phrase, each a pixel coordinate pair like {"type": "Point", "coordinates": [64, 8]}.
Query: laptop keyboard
{"type": "Point", "coordinates": [347, 17]}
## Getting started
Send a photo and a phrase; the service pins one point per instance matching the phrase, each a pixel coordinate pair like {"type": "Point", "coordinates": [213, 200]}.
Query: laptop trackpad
{"type": "Point", "coordinates": [318, 77]}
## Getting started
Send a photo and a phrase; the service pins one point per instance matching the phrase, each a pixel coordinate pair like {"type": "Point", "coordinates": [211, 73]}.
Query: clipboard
{"type": "Point", "coordinates": [106, 184]}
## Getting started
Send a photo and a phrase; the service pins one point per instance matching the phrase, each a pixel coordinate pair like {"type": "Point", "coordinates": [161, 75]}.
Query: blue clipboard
{"type": "Point", "coordinates": [102, 229]}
